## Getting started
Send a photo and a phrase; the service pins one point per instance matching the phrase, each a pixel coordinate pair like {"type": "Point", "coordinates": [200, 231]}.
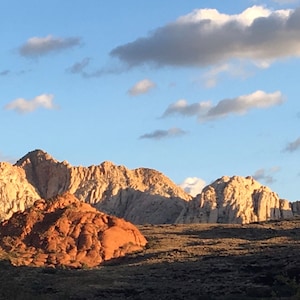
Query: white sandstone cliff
{"type": "Point", "coordinates": [16, 193]}
{"type": "Point", "coordinates": [140, 196]}
{"type": "Point", "coordinates": [235, 200]}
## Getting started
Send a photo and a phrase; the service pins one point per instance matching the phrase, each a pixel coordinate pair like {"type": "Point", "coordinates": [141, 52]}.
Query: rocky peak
{"type": "Point", "coordinates": [236, 199]}
{"type": "Point", "coordinates": [34, 157]}
{"type": "Point", "coordinates": [49, 176]}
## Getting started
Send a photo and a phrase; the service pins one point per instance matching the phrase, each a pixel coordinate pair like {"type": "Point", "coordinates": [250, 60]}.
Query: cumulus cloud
{"type": "Point", "coordinates": [38, 46]}
{"type": "Point", "coordinates": [182, 107]}
{"type": "Point", "coordinates": [23, 106]}
{"type": "Point", "coordinates": [266, 175]}
{"type": "Point", "coordinates": [141, 87]}
{"type": "Point", "coordinates": [163, 134]}
{"type": "Point", "coordinates": [206, 111]}
{"type": "Point", "coordinates": [293, 146]}
{"type": "Point", "coordinates": [193, 185]}
{"type": "Point", "coordinates": [78, 67]}
{"type": "Point", "coordinates": [207, 37]}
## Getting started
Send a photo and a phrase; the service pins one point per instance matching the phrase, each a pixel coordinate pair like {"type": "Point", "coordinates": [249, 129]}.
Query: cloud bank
{"type": "Point", "coordinates": [193, 185]}
{"type": "Point", "coordinates": [141, 87]}
{"type": "Point", "coordinates": [163, 134]}
{"type": "Point", "coordinates": [39, 46]}
{"type": "Point", "coordinates": [206, 111]}
{"type": "Point", "coordinates": [207, 37]}
{"type": "Point", "coordinates": [23, 106]}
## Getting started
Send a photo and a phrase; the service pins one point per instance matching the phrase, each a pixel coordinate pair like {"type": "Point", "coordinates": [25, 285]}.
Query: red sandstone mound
{"type": "Point", "coordinates": [66, 232]}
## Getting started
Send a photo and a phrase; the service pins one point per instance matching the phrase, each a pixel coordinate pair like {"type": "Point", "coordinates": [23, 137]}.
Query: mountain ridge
{"type": "Point", "coordinates": [141, 195]}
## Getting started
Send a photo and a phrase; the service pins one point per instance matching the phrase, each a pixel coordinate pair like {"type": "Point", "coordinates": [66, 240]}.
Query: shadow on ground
{"type": "Point", "coordinates": [258, 261]}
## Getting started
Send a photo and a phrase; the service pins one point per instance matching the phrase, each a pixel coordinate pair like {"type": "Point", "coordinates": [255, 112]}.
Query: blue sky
{"type": "Point", "coordinates": [194, 89]}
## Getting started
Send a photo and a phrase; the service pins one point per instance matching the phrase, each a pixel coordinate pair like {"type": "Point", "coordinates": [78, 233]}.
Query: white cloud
{"type": "Point", "coordinates": [212, 76]}
{"type": "Point", "coordinates": [38, 46]}
{"type": "Point", "coordinates": [207, 37]}
{"type": "Point", "coordinates": [242, 104]}
{"type": "Point", "coordinates": [293, 146]}
{"type": "Point", "coordinates": [206, 111]}
{"type": "Point", "coordinates": [193, 185]}
{"type": "Point", "coordinates": [183, 108]}
{"type": "Point", "coordinates": [141, 87]}
{"type": "Point", "coordinates": [22, 105]}
{"type": "Point", "coordinates": [162, 134]}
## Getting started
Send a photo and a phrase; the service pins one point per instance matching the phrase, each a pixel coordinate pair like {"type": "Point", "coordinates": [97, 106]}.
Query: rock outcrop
{"type": "Point", "coordinates": [236, 200]}
{"type": "Point", "coordinates": [16, 193]}
{"type": "Point", "coordinates": [67, 232]}
{"type": "Point", "coordinates": [140, 196]}
{"type": "Point", "coordinates": [296, 208]}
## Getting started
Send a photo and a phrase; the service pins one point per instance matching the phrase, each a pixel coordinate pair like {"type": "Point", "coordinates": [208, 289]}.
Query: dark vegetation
{"type": "Point", "coordinates": [195, 261]}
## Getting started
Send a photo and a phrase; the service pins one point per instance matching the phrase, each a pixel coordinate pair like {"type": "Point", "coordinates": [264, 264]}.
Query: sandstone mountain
{"type": "Point", "coordinates": [16, 193]}
{"type": "Point", "coordinates": [66, 232]}
{"type": "Point", "coordinates": [236, 200]}
{"type": "Point", "coordinates": [140, 196]}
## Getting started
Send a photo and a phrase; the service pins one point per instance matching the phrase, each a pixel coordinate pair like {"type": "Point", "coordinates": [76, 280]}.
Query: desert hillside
{"type": "Point", "coordinates": [183, 261]}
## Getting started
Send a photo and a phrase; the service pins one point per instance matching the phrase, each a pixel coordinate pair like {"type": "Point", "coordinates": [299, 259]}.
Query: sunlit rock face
{"type": "Point", "coordinates": [16, 193]}
{"type": "Point", "coordinates": [140, 196]}
{"type": "Point", "coordinates": [236, 200]}
{"type": "Point", "coordinates": [64, 231]}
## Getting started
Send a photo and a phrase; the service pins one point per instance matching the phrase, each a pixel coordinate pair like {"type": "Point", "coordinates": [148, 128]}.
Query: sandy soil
{"type": "Point", "coordinates": [197, 261]}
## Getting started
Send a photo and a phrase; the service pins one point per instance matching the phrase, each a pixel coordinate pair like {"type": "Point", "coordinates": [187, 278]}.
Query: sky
{"type": "Point", "coordinates": [194, 89]}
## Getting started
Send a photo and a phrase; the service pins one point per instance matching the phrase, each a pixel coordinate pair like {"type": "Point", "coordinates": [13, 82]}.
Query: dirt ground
{"type": "Point", "coordinates": [195, 261]}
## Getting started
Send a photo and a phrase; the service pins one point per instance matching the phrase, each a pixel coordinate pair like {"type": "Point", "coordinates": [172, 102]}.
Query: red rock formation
{"type": "Point", "coordinates": [67, 232]}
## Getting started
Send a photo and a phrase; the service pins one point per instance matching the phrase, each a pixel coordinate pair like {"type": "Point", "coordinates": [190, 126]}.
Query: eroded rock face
{"type": "Point", "coordinates": [141, 195]}
{"type": "Point", "coordinates": [16, 193]}
{"type": "Point", "coordinates": [296, 208]}
{"type": "Point", "coordinates": [236, 200]}
{"type": "Point", "coordinates": [67, 232]}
